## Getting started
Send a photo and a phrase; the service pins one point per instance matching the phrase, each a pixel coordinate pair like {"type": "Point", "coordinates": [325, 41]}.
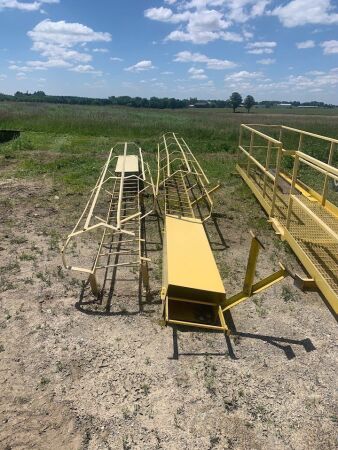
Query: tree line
{"type": "Point", "coordinates": [233, 102]}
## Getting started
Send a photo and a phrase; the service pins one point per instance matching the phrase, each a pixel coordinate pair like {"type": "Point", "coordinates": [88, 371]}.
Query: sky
{"type": "Point", "coordinates": [271, 49]}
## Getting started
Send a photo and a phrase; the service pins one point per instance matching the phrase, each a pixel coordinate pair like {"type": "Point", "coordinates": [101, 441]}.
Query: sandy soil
{"type": "Point", "coordinates": [78, 375]}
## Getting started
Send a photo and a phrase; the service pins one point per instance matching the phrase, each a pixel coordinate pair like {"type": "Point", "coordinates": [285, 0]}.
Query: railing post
{"type": "Point", "coordinates": [326, 181]}
{"type": "Point", "coordinates": [250, 152]}
{"type": "Point", "coordinates": [300, 143]}
{"type": "Point", "coordinates": [267, 164]}
{"type": "Point", "coordinates": [280, 134]}
{"type": "Point", "coordinates": [275, 187]}
{"type": "Point", "coordinates": [293, 184]}
{"type": "Point", "coordinates": [240, 142]}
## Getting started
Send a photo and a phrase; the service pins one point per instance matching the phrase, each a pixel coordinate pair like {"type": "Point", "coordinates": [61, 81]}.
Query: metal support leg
{"type": "Point", "coordinates": [93, 285]}
{"type": "Point", "coordinates": [250, 288]}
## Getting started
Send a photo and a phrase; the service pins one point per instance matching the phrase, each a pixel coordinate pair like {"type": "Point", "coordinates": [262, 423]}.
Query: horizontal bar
{"type": "Point", "coordinates": [196, 325]}
{"type": "Point", "coordinates": [330, 170]}
{"type": "Point", "coordinates": [259, 133]}
{"type": "Point", "coordinates": [307, 133]}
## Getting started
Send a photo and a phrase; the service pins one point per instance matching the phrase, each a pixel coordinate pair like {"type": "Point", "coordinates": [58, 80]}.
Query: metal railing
{"type": "Point", "coordinates": [300, 213]}
{"type": "Point", "coordinates": [123, 192]}
{"type": "Point", "coordinates": [183, 181]}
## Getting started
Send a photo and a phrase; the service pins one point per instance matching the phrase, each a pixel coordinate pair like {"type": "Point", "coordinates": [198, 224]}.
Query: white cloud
{"type": "Point", "coordinates": [25, 6]}
{"type": "Point", "coordinates": [330, 47]}
{"type": "Point", "coordinates": [204, 21]}
{"type": "Point", "coordinates": [21, 76]}
{"type": "Point", "coordinates": [260, 48]}
{"type": "Point", "coordinates": [306, 44]}
{"type": "Point", "coordinates": [302, 12]}
{"type": "Point", "coordinates": [65, 34]}
{"type": "Point", "coordinates": [115, 58]}
{"type": "Point", "coordinates": [167, 73]}
{"type": "Point", "coordinates": [57, 41]}
{"type": "Point", "coordinates": [86, 69]}
{"type": "Point", "coordinates": [2, 76]}
{"type": "Point", "coordinates": [243, 75]}
{"type": "Point", "coordinates": [314, 81]}
{"type": "Point", "coordinates": [244, 80]}
{"type": "Point", "coordinates": [100, 50]}
{"type": "Point", "coordinates": [266, 61]}
{"type": "Point", "coordinates": [140, 66]}
{"type": "Point", "coordinates": [197, 74]}
{"type": "Point", "coordinates": [211, 63]}
{"type": "Point", "coordinates": [41, 65]}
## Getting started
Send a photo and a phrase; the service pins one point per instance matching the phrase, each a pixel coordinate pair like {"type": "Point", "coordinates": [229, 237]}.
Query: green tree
{"type": "Point", "coordinates": [235, 100]}
{"type": "Point", "coordinates": [249, 102]}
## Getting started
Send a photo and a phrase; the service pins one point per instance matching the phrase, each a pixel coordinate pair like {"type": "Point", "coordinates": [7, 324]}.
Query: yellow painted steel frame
{"type": "Point", "coordinates": [192, 290]}
{"type": "Point", "coordinates": [182, 180]}
{"type": "Point", "coordinates": [301, 216]}
{"type": "Point", "coordinates": [123, 192]}
{"type": "Point", "coordinates": [196, 299]}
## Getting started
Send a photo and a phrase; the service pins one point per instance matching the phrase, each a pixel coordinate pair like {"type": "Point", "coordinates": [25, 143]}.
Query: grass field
{"type": "Point", "coordinates": [67, 142]}
{"type": "Point", "coordinates": [80, 375]}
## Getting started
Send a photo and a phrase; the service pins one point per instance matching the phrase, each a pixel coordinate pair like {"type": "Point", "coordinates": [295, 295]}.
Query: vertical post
{"type": "Point", "coordinates": [267, 164]}
{"type": "Point", "coordinates": [239, 143]}
{"type": "Point", "coordinates": [167, 155]}
{"type": "Point", "coordinates": [93, 284]}
{"type": "Point", "coordinates": [275, 187]}
{"type": "Point", "coordinates": [158, 169]}
{"type": "Point", "coordinates": [300, 143]}
{"type": "Point", "coordinates": [251, 266]}
{"type": "Point", "coordinates": [250, 152]}
{"type": "Point", "coordinates": [280, 134]}
{"type": "Point", "coordinates": [293, 184]}
{"type": "Point", "coordinates": [145, 276]}
{"type": "Point", "coordinates": [326, 181]}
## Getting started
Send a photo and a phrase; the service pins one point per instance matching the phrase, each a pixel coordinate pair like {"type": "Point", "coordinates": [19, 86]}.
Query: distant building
{"type": "Point", "coordinates": [284, 105]}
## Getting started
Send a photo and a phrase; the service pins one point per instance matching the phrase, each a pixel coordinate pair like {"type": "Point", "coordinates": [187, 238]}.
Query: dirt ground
{"type": "Point", "coordinates": [77, 375]}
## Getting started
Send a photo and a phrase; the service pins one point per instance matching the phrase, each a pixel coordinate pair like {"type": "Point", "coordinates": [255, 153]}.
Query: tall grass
{"type": "Point", "coordinates": [70, 142]}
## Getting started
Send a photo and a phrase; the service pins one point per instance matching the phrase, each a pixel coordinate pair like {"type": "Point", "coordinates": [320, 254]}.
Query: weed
{"type": "Point", "coordinates": [126, 413]}
{"type": "Point", "coordinates": [36, 249]}
{"type": "Point", "coordinates": [11, 267]}
{"type": "Point", "coordinates": [6, 285]}
{"type": "Point", "coordinates": [125, 443]}
{"type": "Point", "coordinates": [6, 203]}
{"type": "Point", "coordinates": [209, 376]}
{"type": "Point", "coordinates": [214, 440]}
{"type": "Point", "coordinates": [145, 389]}
{"type": "Point", "coordinates": [54, 240]}
{"type": "Point", "coordinates": [27, 257]}
{"type": "Point", "coordinates": [44, 277]}
{"type": "Point", "coordinates": [288, 294]}
{"type": "Point", "coordinates": [44, 381]}
{"type": "Point", "coordinates": [60, 272]}
{"type": "Point", "coordinates": [59, 366]}
{"type": "Point", "coordinates": [2, 348]}
{"type": "Point", "coordinates": [18, 240]}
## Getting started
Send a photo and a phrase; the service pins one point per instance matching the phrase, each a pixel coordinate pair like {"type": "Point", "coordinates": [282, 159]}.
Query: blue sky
{"type": "Point", "coordinates": [271, 49]}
